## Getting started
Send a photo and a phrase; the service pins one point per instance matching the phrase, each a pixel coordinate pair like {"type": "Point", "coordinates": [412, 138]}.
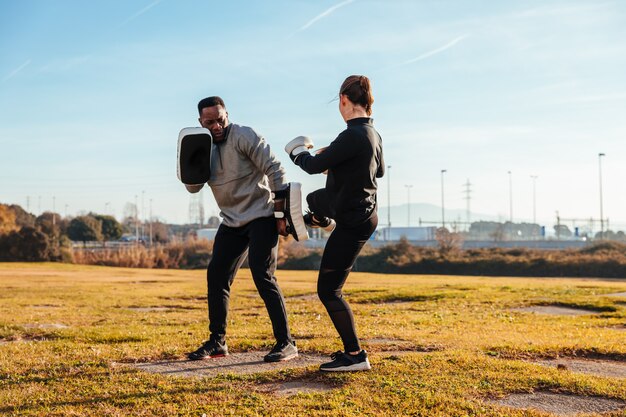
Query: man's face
{"type": "Point", "coordinates": [214, 118]}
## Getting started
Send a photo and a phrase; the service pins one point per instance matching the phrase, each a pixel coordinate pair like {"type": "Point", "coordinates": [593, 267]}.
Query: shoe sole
{"type": "Point", "coordinates": [362, 366]}
{"type": "Point", "coordinates": [208, 357]}
{"type": "Point", "coordinates": [288, 358]}
{"type": "Point", "coordinates": [330, 227]}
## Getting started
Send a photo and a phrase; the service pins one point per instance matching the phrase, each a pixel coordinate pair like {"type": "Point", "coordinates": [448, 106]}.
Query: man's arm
{"type": "Point", "coordinates": [259, 152]}
{"type": "Point", "coordinates": [194, 188]}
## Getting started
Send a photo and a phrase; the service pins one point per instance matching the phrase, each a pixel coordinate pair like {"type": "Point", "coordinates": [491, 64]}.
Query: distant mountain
{"type": "Point", "coordinates": [430, 215]}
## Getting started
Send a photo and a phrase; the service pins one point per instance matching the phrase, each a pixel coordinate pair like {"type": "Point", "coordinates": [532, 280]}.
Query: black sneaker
{"type": "Point", "coordinates": [344, 362]}
{"type": "Point", "coordinates": [325, 223]}
{"type": "Point", "coordinates": [282, 351]}
{"type": "Point", "coordinates": [209, 349]}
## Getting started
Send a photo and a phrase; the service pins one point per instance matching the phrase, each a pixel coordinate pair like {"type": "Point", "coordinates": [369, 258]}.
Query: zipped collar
{"type": "Point", "coordinates": [360, 121]}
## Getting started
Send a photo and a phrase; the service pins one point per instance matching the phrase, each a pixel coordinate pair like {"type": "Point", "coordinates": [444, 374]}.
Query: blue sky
{"type": "Point", "coordinates": [93, 94]}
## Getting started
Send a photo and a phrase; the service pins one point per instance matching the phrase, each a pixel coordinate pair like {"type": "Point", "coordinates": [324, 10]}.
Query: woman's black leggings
{"type": "Point", "coordinates": [343, 247]}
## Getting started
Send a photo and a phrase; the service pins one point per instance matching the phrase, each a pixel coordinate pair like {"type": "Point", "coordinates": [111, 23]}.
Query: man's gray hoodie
{"type": "Point", "coordinates": [244, 172]}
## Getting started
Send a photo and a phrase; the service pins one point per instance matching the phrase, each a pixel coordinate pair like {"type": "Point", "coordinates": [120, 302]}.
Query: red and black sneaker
{"type": "Point", "coordinates": [325, 223]}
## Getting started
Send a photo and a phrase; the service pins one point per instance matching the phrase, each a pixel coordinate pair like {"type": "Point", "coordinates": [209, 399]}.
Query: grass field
{"type": "Point", "coordinates": [462, 345]}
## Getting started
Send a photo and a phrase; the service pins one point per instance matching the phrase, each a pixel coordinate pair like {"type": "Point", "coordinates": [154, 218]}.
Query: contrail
{"type": "Point", "coordinates": [322, 15]}
{"type": "Point", "coordinates": [15, 71]}
{"type": "Point", "coordinates": [140, 12]}
{"type": "Point", "coordinates": [436, 51]}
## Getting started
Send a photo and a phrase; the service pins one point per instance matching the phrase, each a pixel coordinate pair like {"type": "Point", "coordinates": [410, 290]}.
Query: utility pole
{"type": "Point", "coordinates": [467, 197]}
{"type": "Point", "coordinates": [408, 190]}
{"type": "Point", "coordinates": [600, 155]}
{"type": "Point", "coordinates": [54, 203]}
{"type": "Point", "coordinates": [443, 216]}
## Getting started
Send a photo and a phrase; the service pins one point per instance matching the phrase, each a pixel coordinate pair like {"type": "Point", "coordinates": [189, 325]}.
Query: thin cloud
{"type": "Point", "coordinates": [436, 51]}
{"type": "Point", "coordinates": [16, 71]}
{"type": "Point", "coordinates": [430, 53]}
{"type": "Point", "coordinates": [61, 65]}
{"type": "Point", "coordinates": [140, 12]}
{"type": "Point", "coordinates": [322, 15]}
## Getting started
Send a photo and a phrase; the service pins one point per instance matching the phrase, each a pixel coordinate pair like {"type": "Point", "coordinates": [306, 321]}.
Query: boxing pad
{"type": "Point", "coordinates": [292, 211]}
{"type": "Point", "coordinates": [194, 155]}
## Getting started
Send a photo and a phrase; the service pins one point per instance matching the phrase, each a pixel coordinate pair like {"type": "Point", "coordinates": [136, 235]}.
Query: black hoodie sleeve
{"type": "Point", "coordinates": [341, 149]}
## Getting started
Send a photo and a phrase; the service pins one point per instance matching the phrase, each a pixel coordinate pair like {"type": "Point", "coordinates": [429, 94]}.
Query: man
{"type": "Point", "coordinates": [243, 174]}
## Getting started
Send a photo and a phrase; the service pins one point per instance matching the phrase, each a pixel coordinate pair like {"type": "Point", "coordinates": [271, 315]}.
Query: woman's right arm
{"type": "Point", "coordinates": [341, 149]}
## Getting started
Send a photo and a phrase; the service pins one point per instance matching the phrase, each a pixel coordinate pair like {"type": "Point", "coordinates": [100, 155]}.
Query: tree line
{"type": "Point", "coordinates": [49, 236]}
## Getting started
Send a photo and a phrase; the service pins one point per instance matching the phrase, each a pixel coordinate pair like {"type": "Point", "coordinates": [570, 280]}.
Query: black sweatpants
{"type": "Point", "coordinates": [259, 239]}
{"type": "Point", "coordinates": [343, 247]}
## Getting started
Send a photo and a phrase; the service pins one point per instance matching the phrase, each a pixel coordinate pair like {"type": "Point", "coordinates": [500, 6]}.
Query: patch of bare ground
{"type": "Point", "coordinates": [605, 368]}
{"type": "Point", "coordinates": [159, 308]}
{"type": "Point", "coordinates": [290, 388]}
{"type": "Point", "coordinates": [44, 326]}
{"type": "Point", "coordinates": [23, 339]}
{"type": "Point", "coordinates": [305, 297]}
{"type": "Point", "coordinates": [235, 363]}
{"type": "Point", "coordinates": [616, 294]}
{"type": "Point", "coordinates": [391, 346]}
{"type": "Point", "coordinates": [185, 298]}
{"type": "Point", "coordinates": [561, 404]}
{"type": "Point", "coordinates": [555, 310]}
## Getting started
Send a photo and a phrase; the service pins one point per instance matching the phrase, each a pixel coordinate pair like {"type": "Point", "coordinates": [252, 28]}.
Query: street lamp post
{"type": "Point", "coordinates": [151, 222]}
{"type": "Point", "coordinates": [408, 190]}
{"type": "Point", "coordinates": [136, 221]}
{"type": "Point", "coordinates": [534, 177]}
{"type": "Point", "coordinates": [510, 197]}
{"type": "Point", "coordinates": [388, 202]}
{"type": "Point", "coordinates": [443, 216]}
{"type": "Point", "coordinates": [600, 155]}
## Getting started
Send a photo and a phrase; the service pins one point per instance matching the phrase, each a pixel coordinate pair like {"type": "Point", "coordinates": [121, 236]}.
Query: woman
{"type": "Point", "coordinates": [353, 161]}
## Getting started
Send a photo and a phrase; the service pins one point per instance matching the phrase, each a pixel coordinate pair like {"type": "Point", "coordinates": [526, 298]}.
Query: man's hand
{"type": "Point", "coordinates": [194, 188]}
{"type": "Point", "coordinates": [281, 226]}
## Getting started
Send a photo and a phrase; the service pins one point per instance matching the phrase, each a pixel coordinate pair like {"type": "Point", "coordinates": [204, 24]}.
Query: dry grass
{"type": "Point", "coordinates": [190, 254]}
{"type": "Point", "coordinates": [466, 344]}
